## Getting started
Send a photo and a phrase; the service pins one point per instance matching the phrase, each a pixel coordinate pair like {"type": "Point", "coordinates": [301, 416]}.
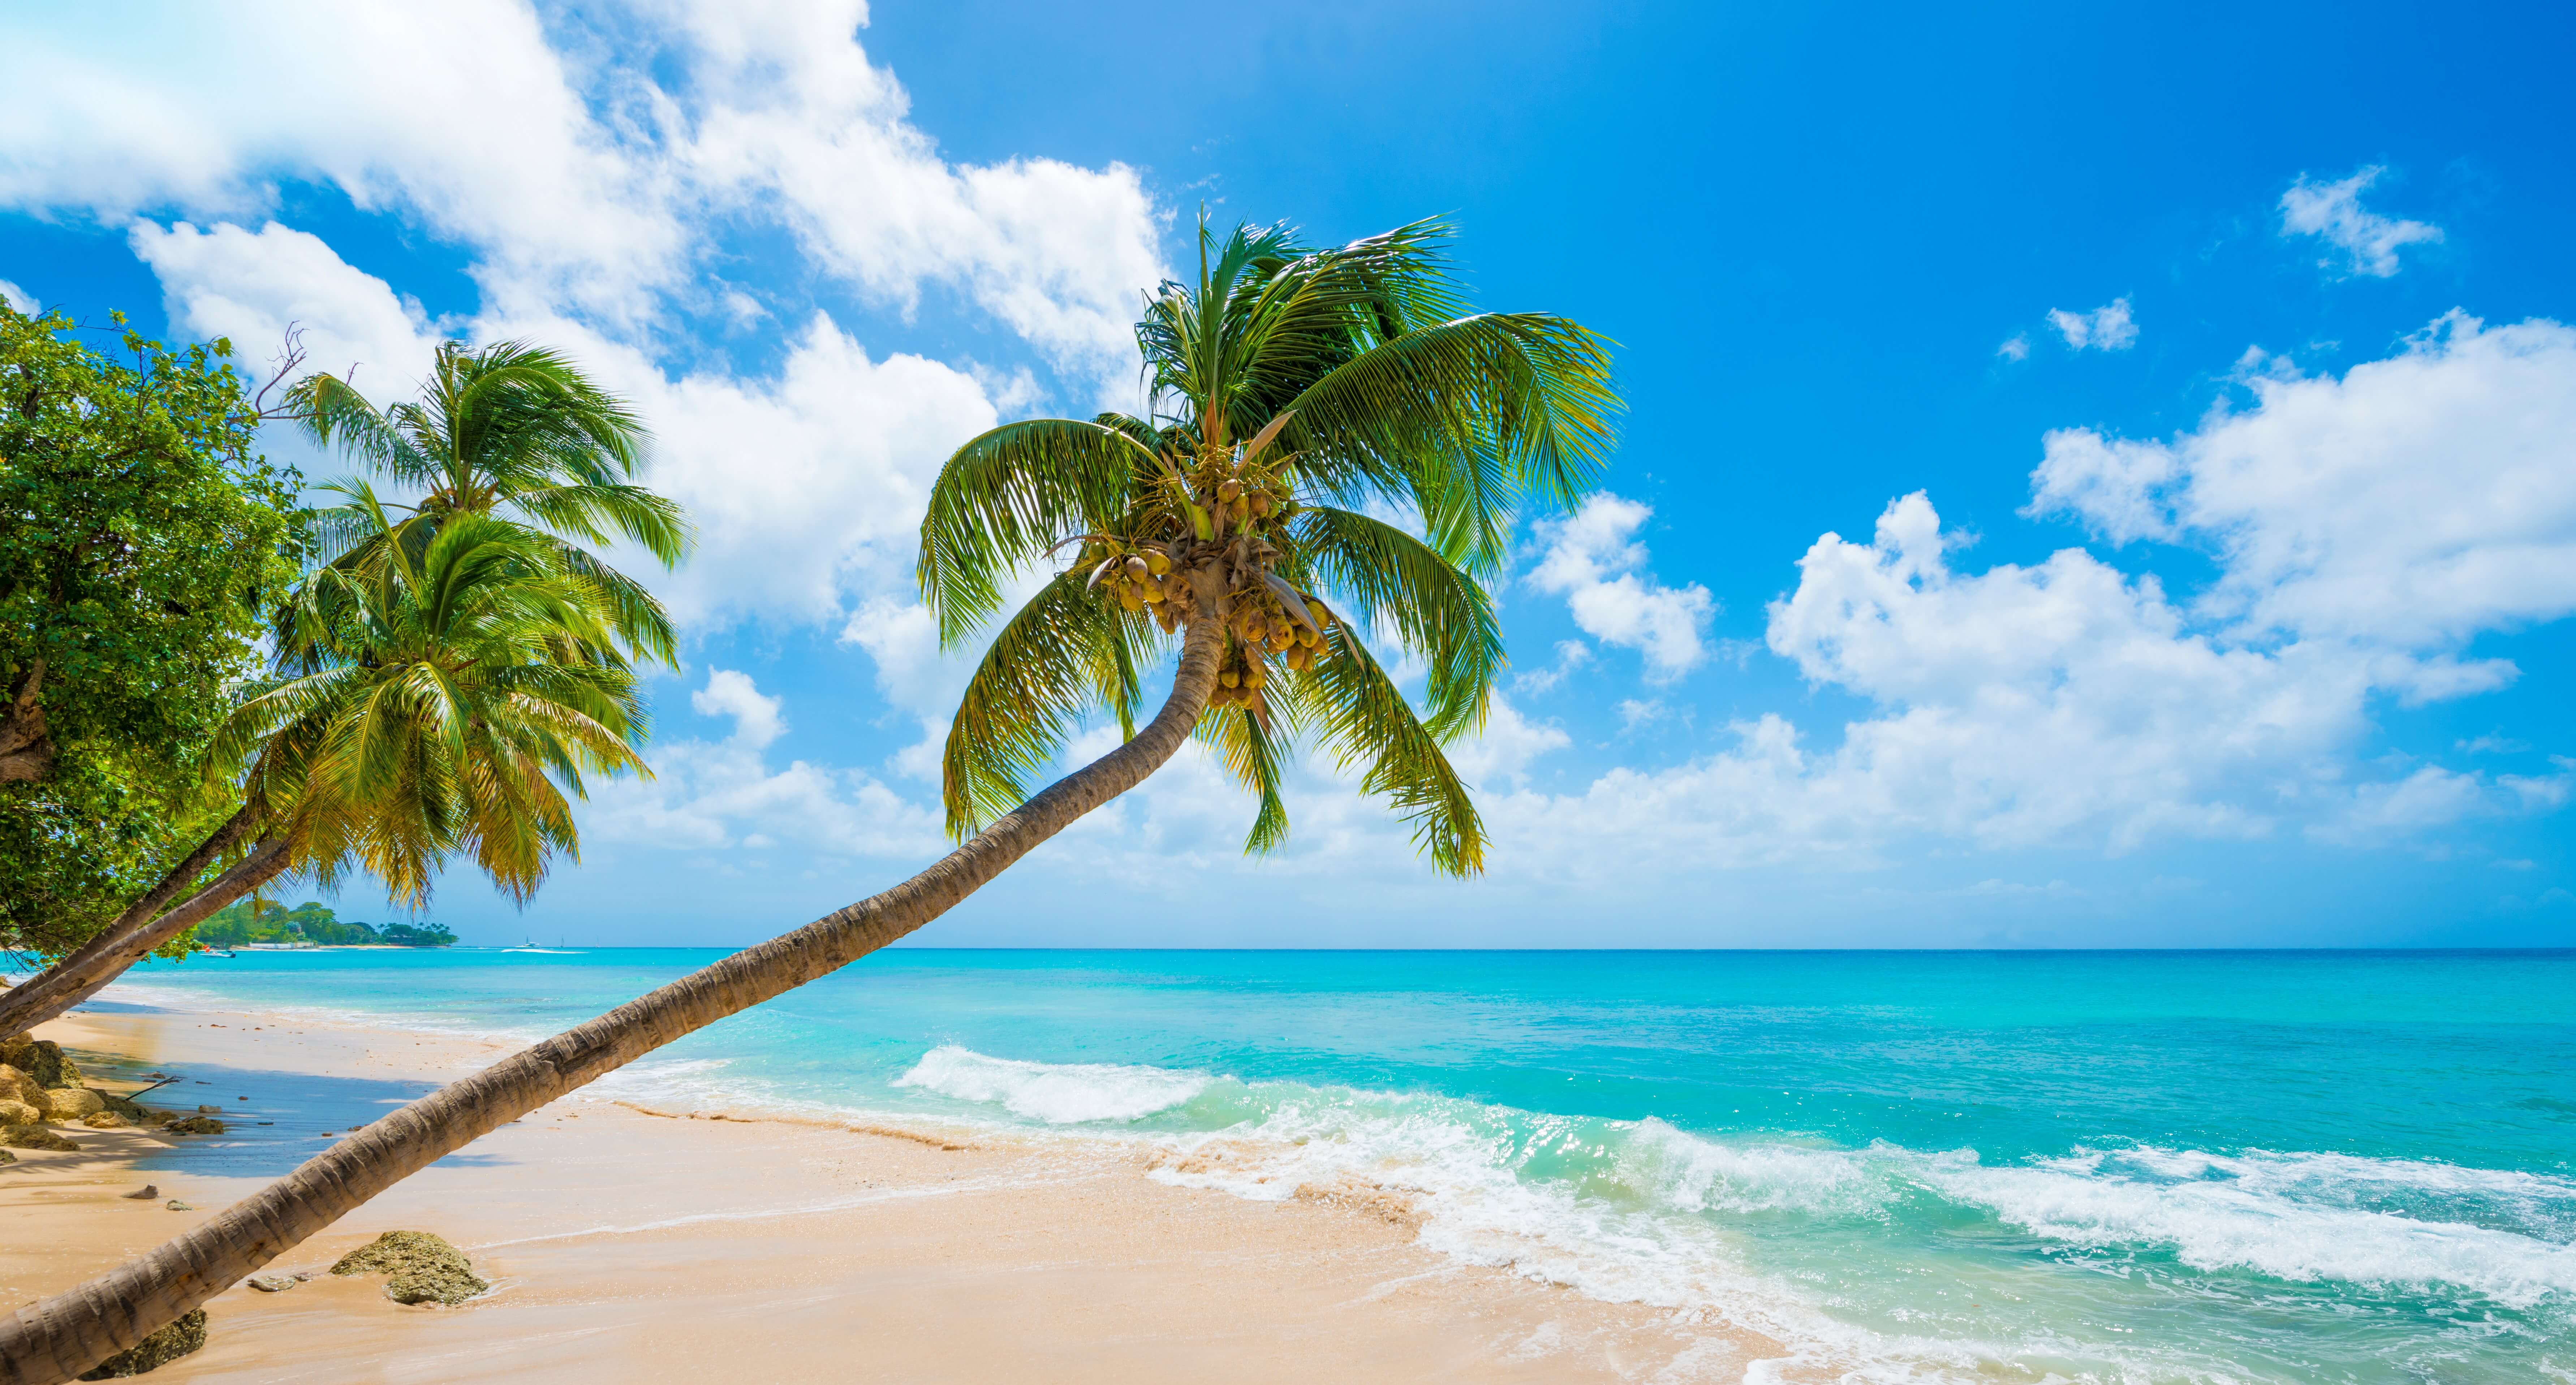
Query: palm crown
{"type": "Point", "coordinates": [511, 427]}
{"type": "Point", "coordinates": [439, 701]}
{"type": "Point", "coordinates": [1294, 391]}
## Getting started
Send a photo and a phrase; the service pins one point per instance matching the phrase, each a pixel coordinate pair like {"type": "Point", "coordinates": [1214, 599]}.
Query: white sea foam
{"type": "Point", "coordinates": [1056, 1093]}
{"type": "Point", "coordinates": [2295, 1217]}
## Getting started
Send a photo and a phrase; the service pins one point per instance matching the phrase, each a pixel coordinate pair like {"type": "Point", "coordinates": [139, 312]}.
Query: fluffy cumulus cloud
{"type": "Point", "coordinates": [17, 297]}
{"type": "Point", "coordinates": [2106, 328]}
{"type": "Point", "coordinates": [1593, 560]}
{"type": "Point", "coordinates": [588, 165]}
{"type": "Point", "coordinates": [2367, 242]}
{"type": "Point", "coordinates": [807, 485]}
{"type": "Point", "coordinates": [2366, 528]}
{"type": "Point", "coordinates": [722, 795]}
{"type": "Point", "coordinates": [2405, 506]}
{"type": "Point", "coordinates": [250, 286]}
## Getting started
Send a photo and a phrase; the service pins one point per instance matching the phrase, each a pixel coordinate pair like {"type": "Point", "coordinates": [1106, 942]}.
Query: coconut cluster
{"type": "Point", "coordinates": [1228, 512]}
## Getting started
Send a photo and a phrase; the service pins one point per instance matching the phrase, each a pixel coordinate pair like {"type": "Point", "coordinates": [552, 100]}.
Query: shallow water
{"type": "Point", "coordinates": [2133, 1167]}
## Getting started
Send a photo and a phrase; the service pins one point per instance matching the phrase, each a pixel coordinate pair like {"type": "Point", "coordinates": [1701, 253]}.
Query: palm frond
{"type": "Point", "coordinates": [1441, 614]}
{"type": "Point", "coordinates": [1004, 497]}
{"type": "Point", "coordinates": [1363, 720]}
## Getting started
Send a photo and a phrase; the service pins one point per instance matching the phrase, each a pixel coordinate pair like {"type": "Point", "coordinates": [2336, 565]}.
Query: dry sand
{"type": "Point", "coordinates": [629, 1246]}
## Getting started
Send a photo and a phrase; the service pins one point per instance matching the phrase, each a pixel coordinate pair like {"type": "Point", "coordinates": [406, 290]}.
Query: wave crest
{"type": "Point", "coordinates": [1055, 1093]}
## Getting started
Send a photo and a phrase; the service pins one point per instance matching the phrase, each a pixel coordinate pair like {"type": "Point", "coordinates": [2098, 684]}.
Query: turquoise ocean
{"type": "Point", "coordinates": [1910, 1166]}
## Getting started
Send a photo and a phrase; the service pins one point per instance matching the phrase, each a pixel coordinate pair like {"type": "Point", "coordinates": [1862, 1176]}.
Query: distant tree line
{"type": "Point", "coordinates": [312, 924]}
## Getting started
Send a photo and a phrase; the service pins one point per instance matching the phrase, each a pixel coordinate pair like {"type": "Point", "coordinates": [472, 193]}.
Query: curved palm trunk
{"type": "Point", "coordinates": [76, 968]}
{"type": "Point", "coordinates": [266, 862]}
{"type": "Point", "coordinates": [56, 1339]}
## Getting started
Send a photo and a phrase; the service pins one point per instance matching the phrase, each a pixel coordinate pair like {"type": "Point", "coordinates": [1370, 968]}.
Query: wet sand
{"type": "Point", "coordinates": [626, 1244]}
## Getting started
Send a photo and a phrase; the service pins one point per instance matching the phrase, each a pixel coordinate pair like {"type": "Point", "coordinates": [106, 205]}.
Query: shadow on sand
{"type": "Point", "coordinates": [273, 1120]}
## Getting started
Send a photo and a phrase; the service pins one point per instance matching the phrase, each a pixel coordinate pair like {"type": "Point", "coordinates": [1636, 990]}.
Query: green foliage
{"type": "Point", "coordinates": [514, 431]}
{"type": "Point", "coordinates": [139, 538]}
{"type": "Point", "coordinates": [437, 692]}
{"type": "Point", "coordinates": [310, 924]}
{"type": "Point", "coordinates": [1296, 392]}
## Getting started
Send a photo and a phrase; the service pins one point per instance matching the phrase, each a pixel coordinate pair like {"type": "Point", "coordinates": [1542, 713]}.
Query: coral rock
{"type": "Point", "coordinates": [195, 1125]}
{"type": "Point", "coordinates": [34, 1137]}
{"type": "Point", "coordinates": [16, 1112]}
{"type": "Point", "coordinates": [157, 1350]}
{"type": "Point", "coordinates": [105, 1120]}
{"type": "Point", "coordinates": [423, 1268]}
{"type": "Point", "coordinates": [72, 1103]}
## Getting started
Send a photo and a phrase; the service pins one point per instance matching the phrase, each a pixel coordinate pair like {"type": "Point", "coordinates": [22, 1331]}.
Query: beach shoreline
{"type": "Point", "coordinates": [641, 1240]}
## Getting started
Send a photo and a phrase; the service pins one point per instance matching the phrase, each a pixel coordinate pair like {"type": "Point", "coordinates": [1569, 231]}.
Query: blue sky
{"type": "Point", "coordinates": [2091, 479]}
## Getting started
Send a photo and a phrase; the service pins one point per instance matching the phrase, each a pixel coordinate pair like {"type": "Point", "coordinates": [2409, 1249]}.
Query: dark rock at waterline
{"type": "Point", "coordinates": [195, 1125]}
{"type": "Point", "coordinates": [423, 1268]}
{"type": "Point", "coordinates": [157, 1350]}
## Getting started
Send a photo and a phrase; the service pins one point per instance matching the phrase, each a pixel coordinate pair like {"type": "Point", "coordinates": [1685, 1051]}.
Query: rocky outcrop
{"type": "Point", "coordinates": [16, 1085]}
{"type": "Point", "coordinates": [15, 1112]}
{"type": "Point", "coordinates": [105, 1120]}
{"type": "Point", "coordinates": [423, 1268]}
{"type": "Point", "coordinates": [123, 1105]}
{"type": "Point", "coordinates": [194, 1125]}
{"type": "Point", "coordinates": [72, 1104]}
{"type": "Point", "coordinates": [40, 1059]}
{"type": "Point", "coordinates": [157, 1350]}
{"type": "Point", "coordinates": [34, 1137]}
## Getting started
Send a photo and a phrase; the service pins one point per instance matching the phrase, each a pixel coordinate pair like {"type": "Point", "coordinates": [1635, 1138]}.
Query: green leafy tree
{"type": "Point", "coordinates": [1295, 388]}
{"type": "Point", "coordinates": [512, 435]}
{"type": "Point", "coordinates": [449, 704]}
{"type": "Point", "coordinates": [140, 535]}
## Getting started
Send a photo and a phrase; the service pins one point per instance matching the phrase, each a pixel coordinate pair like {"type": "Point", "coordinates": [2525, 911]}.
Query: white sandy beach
{"type": "Point", "coordinates": [626, 1244]}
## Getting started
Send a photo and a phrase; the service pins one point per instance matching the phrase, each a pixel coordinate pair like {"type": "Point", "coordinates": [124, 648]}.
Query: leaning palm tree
{"type": "Point", "coordinates": [515, 432]}
{"type": "Point", "coordinates": [1292, 388]}
{"type": "Point", "coordinates": [518, 431]}
{"type": "Point", "coordinates": [422, 709]}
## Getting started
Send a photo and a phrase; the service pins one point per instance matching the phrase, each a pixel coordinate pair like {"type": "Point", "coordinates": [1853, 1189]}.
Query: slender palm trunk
{"type": "Point", "coordinates": [76, 968]}
{"type": "Point", "coordinates": [56, 1339]}
{"type": "Point", "coordinates": [266, 862]}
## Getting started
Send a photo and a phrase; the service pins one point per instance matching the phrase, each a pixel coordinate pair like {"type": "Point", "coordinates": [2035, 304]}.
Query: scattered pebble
{"type": "Point", "coordinates": [176, 1205]}
{"type": "Point", "coordinates": [274, 1283]}
{"type": "Point", "coordinates": [143, 1194]}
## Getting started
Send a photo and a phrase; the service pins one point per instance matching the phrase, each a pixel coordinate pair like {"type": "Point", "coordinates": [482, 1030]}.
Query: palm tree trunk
{"type": "Point", "coordinates": [265, 863]}
{"type": "Point", "coordinates": [56, 1339]}
{"type": "Point", "coordinates": [75, 968]}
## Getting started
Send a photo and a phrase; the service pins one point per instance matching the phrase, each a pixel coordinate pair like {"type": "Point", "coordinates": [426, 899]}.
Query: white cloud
{"type": "Point", "coordinates": [1501, 753]}
{"type": "Point", "coordinates": [807, 487]}
{"type": "Point", "coordinates": [228, 282]}
{"type": "Point", "coordinates": [2106, 328]}
{"type": "Point", "coordinates": [580, 181]}
{"type": "Point", "coordinates": [1570, 655]}
{"type": "Point", "coordinates": [1591, 558]}
{"type": "Point", "coordinates": [17, 297]}
{"type": "Point", "coordinates": [756, 718]}
{"type": "Point", "coordinates": [720, 796]}
{"type": "Point", "coordinates": [2369, 241]}
{"type": "Point", "coordinates": [2015, 348]}
{"type": "Point", "coordinates": [2411, 503]}
{"type": "Point", "coordinates": [460, 114]}
{"type": "Point", "coordinates": [2366, 528]}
